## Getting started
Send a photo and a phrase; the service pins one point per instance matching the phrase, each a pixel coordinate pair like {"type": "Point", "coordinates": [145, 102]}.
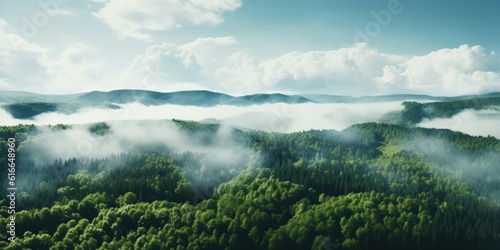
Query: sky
{"type": "Point", "coordinates": [337, 47]}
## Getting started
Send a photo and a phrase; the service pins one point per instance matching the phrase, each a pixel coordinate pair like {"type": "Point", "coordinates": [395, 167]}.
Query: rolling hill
{"type": "Point", "coordinates": [25, 105]}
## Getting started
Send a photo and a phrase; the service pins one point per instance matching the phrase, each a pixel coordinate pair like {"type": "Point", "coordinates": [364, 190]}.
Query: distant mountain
{"type": "Point", "coordinates": [488, 95]}
{"type": "Point", "coordinates": [368, 99]}
{"type": "Point", "coordinates": [208, 98]}
{"type": "Point", "coordinates": [389, 98]}
{"type": "Point", "coordinates": [268, 98]}
{"type": "Point", "coordinates": [194, 98]}
{"type": "Point", "coordinates": [25, 105]}
{"type": "Point", "coordinates": [28, 110]}
{"type": "Point", "coordinates": [414, 112]}
{"type": "Point", "coordinates": [21, 96]}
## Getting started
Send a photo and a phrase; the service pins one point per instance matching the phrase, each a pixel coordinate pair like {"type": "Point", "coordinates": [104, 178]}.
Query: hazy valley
{"type": "Point", "coordinates": [208, 170]}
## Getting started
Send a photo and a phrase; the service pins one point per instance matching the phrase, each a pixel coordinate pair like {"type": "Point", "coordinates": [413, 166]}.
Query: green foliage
{"type": "Point", "coordinates": [127, 199]}
{"type": "Point", "coordinates": [372, 186]}
{"type": "Point", "coordinates": [60, 127]}
{"type": "Point", "coordinates": [415, 112]}
{"type": "Point", "coordinates": [100, 128]}
{"type": "Point", "coordinates": [30, 109]}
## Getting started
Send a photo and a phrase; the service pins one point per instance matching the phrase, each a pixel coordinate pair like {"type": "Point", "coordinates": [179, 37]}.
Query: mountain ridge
{"type": "Point", "coordinates": [211, 98]}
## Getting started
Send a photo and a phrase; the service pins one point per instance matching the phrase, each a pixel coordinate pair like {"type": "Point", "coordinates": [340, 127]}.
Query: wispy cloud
{"type": "Point", "coordinates": [134, 19]}
{"type": "Point", "coordinates": [61, 12]}
{"type": "Point", "coordinates": [72, 68]}
{"type": "Point", "coordinates": [27, 66]}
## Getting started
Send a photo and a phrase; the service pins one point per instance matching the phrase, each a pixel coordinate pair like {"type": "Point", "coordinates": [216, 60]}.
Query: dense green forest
{"type": "Point", "coordinates": [28, 110]}
{"type": "Point", "coordinates": [415, 112]}
{"type": "Point", "coordinates": [371, 186]}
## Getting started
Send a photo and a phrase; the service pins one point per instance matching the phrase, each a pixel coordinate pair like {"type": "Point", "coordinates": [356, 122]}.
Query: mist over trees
{"type": "Point", "coordinates": [371, 186]}
{"type": "Point", "coordinates": [415, 112]}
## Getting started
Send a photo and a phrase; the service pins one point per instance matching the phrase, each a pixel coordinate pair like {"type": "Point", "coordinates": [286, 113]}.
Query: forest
{"type": "Point", "coordinates": [415, 112]}
{"type": "Point", "coordinates": [370, 186]}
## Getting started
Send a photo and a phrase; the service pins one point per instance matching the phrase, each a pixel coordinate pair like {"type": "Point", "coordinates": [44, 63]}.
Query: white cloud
{"type": "Point", "coordinates": [288, 118]}
{"type": "Point", "coordinates": [165, 64]}
{"type": "Point", "coordinates": [212, 52]}
{"type": "Point", "coordinates": [168, 66]}
{"type": "Point", "coordinates": [30, 67]}
{"type": "Point", "coordinates": [332, 70]}
{"type": "Point", "coordinates": [11, 42]}
{"type": "Point", "coordinates": [6, 85]}
{"type": "Point", "coordinates": [220, 64]}
{"type": "Point", "coordinates": [61, 12]}
{"type": "Point", "coordinates": [457, 71]}
{"type": "Point", "coordinates": [18, 59]}
{"type": "Point", "coordinates": [135, 18]}
{"type": "Point", "coordinates": [5, 43]}
{"type": "Point", "coordinates": [71, 70]}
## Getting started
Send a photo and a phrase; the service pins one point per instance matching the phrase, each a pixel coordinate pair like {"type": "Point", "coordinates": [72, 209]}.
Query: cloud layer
{"type": "Point", "coordinates": [268, 117]}
{"type": "Point", "coordinates": [27, 66]}
{"type": "Point", "coordinates": [472, 122]}
{"type": "Point", "coordinates": [277, 117]}
{"type": "Point", "coordinates": [222, 64]}
{"type": "Point", "coordinates": [78, 142]}
{"type": "Point", "coordinates": [134, 19]}
{"type": "Point", "coordinates": [458, 71]}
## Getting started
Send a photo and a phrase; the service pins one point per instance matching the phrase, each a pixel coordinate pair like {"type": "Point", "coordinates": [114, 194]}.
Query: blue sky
{"type": "Point", "coordinates": [343, 47]}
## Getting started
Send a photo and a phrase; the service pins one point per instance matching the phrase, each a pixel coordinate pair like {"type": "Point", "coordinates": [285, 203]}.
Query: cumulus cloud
{"type": "Point", "coordinates": [30, 67]}
{"type": "Point", "coordinates": [458, 71]}
{"type": "Point", "coordinates": [463, 70]}
{"type": "Point", "coordinates": [134, 19]}
{"type": "Point", "coordinates": [189, 66]}
{"type": "Point", "coordinates": [18, 59]}
{"type": "Point", "coordinates": [164, 64]}
{"type": "Point", "coordinates": [221, 64]}
{"type": "Point", "coordinates": [331, 70]}
{"type": "Point", "coordinates": [71, 70]}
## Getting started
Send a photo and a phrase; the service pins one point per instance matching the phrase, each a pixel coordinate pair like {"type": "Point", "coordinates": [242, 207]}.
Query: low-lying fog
{"type": "Point", "coordinates": [278, 117]}
{"type": "Point", "coordinates": [473, 122]}
{"type": "Point", "coordinates": [78, 142]}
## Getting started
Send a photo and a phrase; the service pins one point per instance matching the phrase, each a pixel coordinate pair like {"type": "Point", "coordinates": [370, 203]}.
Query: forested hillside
{"type": "Point", "coordinates": [28, 110]}
{"type": "Point", "coordinates": [24, 105]}
{"type": "Point", "coordinates": [415, 112]}
{"type": "Point", "coordinates": [371, 186]}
